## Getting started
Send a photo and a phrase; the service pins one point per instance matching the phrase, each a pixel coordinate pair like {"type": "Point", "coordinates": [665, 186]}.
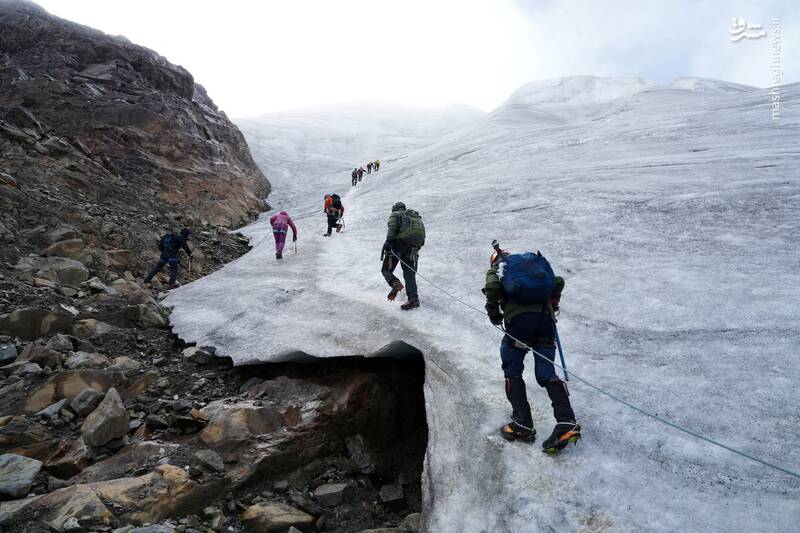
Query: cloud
{"type": "Point", "coordinates": [255, 57]}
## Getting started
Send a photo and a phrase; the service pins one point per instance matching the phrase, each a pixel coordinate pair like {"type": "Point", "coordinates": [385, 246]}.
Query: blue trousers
{"type": "Point", "coordinates": [165, 259]}
{"type": "Point", "coordinates": [534, 329]}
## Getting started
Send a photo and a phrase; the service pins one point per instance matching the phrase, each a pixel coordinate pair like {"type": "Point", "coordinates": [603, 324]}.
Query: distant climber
{"type": "Point", "coordinates": [170, 246]}
{"type": "Point", "coordinates": [281, 222]}
{"type": "Point", "coordinates": [523, 292]}
{"type": "Point", "coordinates": [377, 165]}
{"type": "Point", "coordinates": [404, 238]}
{"type": "Point", "coordinates": [354, 176]}
{"type": "Point", "coordinates": [334, 210]}
{"type": "Point", "coordinates": [360, 173]}
{"type": "Point", "coordinates": [369, 167]}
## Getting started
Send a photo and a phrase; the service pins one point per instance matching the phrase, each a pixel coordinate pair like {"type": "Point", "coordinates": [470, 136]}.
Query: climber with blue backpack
{"type": "Point", "coordinates": [170, 245]}
{"type": "Point", "coordinates": [522, 297]}
{"type": "Point", "coordinates": [404, 238]}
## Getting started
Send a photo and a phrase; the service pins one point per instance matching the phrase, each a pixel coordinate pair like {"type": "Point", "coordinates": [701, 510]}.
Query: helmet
{"type": "Point", "coordinates": [398, 206]}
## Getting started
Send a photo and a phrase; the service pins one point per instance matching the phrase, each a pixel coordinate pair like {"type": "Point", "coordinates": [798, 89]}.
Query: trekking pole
{"type": "Point", "coordinates": [295, 247]}
{"type": "Point", "coordinates": [560, 351]}
{"type": "Point", "coordinates": [190, 263]}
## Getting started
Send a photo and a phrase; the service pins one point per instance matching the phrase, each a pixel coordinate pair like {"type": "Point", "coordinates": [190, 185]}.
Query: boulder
{"type": "Point", "coordinates": [31, 323]}
{"type": "Point", "coordinates": [120, 258]}
{"type": "Point", "coordinates": [58, 507]}
{"type": "Point", "coordinates": [412, 523]}
{"type": "Point", "coordinates": [17, 474]}
{"type": "Point", "coordinates": [232, 425]}
{"type": "Point", "coordinates": [125, 364]}
{"type": "Point", "coordinates": [392, 495]}
{"type": "Point", "coordinates": [136, 456]}
{"type": "Point", "coordinates": [69, 460]}
{"type": "Point", "coordinates": [211, 460]}
{"type": "Point", "coordinates": [333, 494]}
{"type": "Point", "coordinates": [53, 409]}
{"type": "Point", "coordinates": [89, 326]}
{"type": "Point", "coordinates": [96, 285]}
{"type": "Point", "coordinates": [61, 343]}
{"type": "Point", "coordinates": [8, 353]}
{"type": "Point", "coordinates": [68, 384]}
{"type": "Point", "coordinates": [62, 234]}
{"type": "Point", "coordinates": [70, 248]}
{"type": "Point", "coordinates": [63, 270]}
{"type": "Point", "coordinates": [107, 422]}
{"type": "Point", "coordinates": [198, 355]}
{"type": "Point", "coordinates": [275, 516]}
{"type": "Point", "coordinates": [82, 360]}
{"type": "Point", "coordinates": [41, 355]}
{"type": "Point", "coordinates": [86, 402]}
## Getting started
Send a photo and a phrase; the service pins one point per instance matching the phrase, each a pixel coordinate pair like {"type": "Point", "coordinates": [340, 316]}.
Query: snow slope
{"type": "Point", "coordinates": [311, 150]}
{"type": "Point", "coordinates": [673, 215]}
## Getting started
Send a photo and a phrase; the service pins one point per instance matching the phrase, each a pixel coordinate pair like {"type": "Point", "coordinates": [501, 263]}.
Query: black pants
{"type": "Point", "coordinates": [355, 180]}
{"type": "Point", "coordinates": [410, 260]}
{"type": "Point", "coordinates": [333, 221]}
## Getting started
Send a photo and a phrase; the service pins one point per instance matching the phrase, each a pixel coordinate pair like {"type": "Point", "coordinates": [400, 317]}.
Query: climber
{"type": "Point", "coordinates": [354, 176]}
{"type": "Point", "coordinates": [170, 246]}
{"type": "Point", "coordinates": [334, 209]}
{"type": "Point", "coordinates": [281, 222]}
{"type": "Point", "coordinates": [405, 236]}
{"type": "Point", "coordinates": [523, 293]}
{"type": "Point", "coordinates": [369, 167]}
{"type": "Point", "coordinates": [377, 164]}
{"type": "Point", "coordinates": [360, 173]}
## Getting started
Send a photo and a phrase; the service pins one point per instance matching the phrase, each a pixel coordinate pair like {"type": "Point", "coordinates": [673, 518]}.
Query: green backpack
{"type": "Point", "coordinates": [412, 230]}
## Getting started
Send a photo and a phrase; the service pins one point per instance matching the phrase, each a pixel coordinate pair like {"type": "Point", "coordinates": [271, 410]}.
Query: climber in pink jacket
{"type": "Point", "coordinates": [281, 223]}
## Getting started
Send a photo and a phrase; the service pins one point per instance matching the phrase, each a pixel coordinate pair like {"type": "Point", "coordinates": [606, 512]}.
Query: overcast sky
{"type": "Point", "coordinates": [263, 56]}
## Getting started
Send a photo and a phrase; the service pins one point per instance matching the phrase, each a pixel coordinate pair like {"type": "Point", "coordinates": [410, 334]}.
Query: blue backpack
{"type": "Point", "coordinates": [167, 242]}
{"type": "Point", "coordinates": [527, 278]}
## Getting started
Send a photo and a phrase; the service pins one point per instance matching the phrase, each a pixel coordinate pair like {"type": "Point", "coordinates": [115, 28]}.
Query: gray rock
{"type": "Point", "coordinates": [332, 494]}
{"type": "Point", "coordinates": [8, 352]}
{"type": "Point", "coordinates": [86, 402]}
{"type": "Point", "coordinates": [275, 517]}
{"type": "Point", "coordinates": [61, 343]}
{"type": "Point", "coordinates": [210, 459]}
{"type": "Point", "coordinates": [79, 360]}
{"type": "Point", "coordinates": [53, 409]}
{"type": "Point", "coordinates": [198, 356]}
{"type": "Point", "coordinates": [107, 422]}
{"type": "Point", "coordinates": [412, 523]}
{"type": "Point", "coordinates": [157, 422]}
{"type": "Point", "coordinates": [392, 494]}
{"type": "Point", "coordinates": [41, 355]}
{"type": "Point", "coordinates": [71, 524]}
{"type": "Point", "coordinates": [125, 364]}
{"type": "Point", "coordinates": [17, 474]}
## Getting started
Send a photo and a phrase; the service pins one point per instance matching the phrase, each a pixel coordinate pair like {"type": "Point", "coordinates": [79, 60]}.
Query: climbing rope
{"type": "Point", "coordinates": [604, 392]}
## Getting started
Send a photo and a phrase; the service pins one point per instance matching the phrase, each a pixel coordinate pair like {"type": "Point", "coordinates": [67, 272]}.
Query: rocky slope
{"type": "Point", "coordinates": [109, 138]}
{"type": "Point", "coordinates": [107, 420]}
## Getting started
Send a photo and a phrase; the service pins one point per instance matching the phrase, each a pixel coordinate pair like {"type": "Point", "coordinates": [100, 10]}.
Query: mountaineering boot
{"type": "Point", "coordinates": [521, 425]}
{"type": "Point", "coordinates": [563, 434]}
{"type": "Point", "coordinates": [326, 234]}
{"type": "Point", "coordinates": [338, 228]}
{"type": "Point", "coordinates": [278, 255]}
{"type": "Point", "coordinates": [396, 287]}
{"type": "Point", "coordinates": [567, 430]}
{"type": "Point", "coordinates": [412, 303]}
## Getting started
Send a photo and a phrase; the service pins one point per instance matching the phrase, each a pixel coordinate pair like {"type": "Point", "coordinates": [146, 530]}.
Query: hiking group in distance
{"type": "Point", "coordinates": [522, 299]}
{"type": "Point", "coordinates": [358, 172]}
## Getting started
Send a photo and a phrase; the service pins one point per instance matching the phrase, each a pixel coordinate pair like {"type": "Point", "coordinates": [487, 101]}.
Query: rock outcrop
{"type": "Point", "coordinates": [105, 146]}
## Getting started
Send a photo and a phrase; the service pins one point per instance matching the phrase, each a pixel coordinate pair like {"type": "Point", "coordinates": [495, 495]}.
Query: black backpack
{"type": "Point", "coordinates": [336, 201]}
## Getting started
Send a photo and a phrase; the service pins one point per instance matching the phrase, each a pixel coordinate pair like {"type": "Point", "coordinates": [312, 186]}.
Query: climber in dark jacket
{"type": "Point", "coordinates": [170, 246]}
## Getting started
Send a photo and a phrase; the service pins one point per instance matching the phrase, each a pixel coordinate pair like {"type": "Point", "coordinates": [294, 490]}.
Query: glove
{"type": "Point", "coordinates": [294, 238]}
{"type": "Point", "coordinates": [495, 315]}
{"type": "Point", "coordinates": [554, 301]}
{"type": "Point", "coordinates": [387, 246]}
